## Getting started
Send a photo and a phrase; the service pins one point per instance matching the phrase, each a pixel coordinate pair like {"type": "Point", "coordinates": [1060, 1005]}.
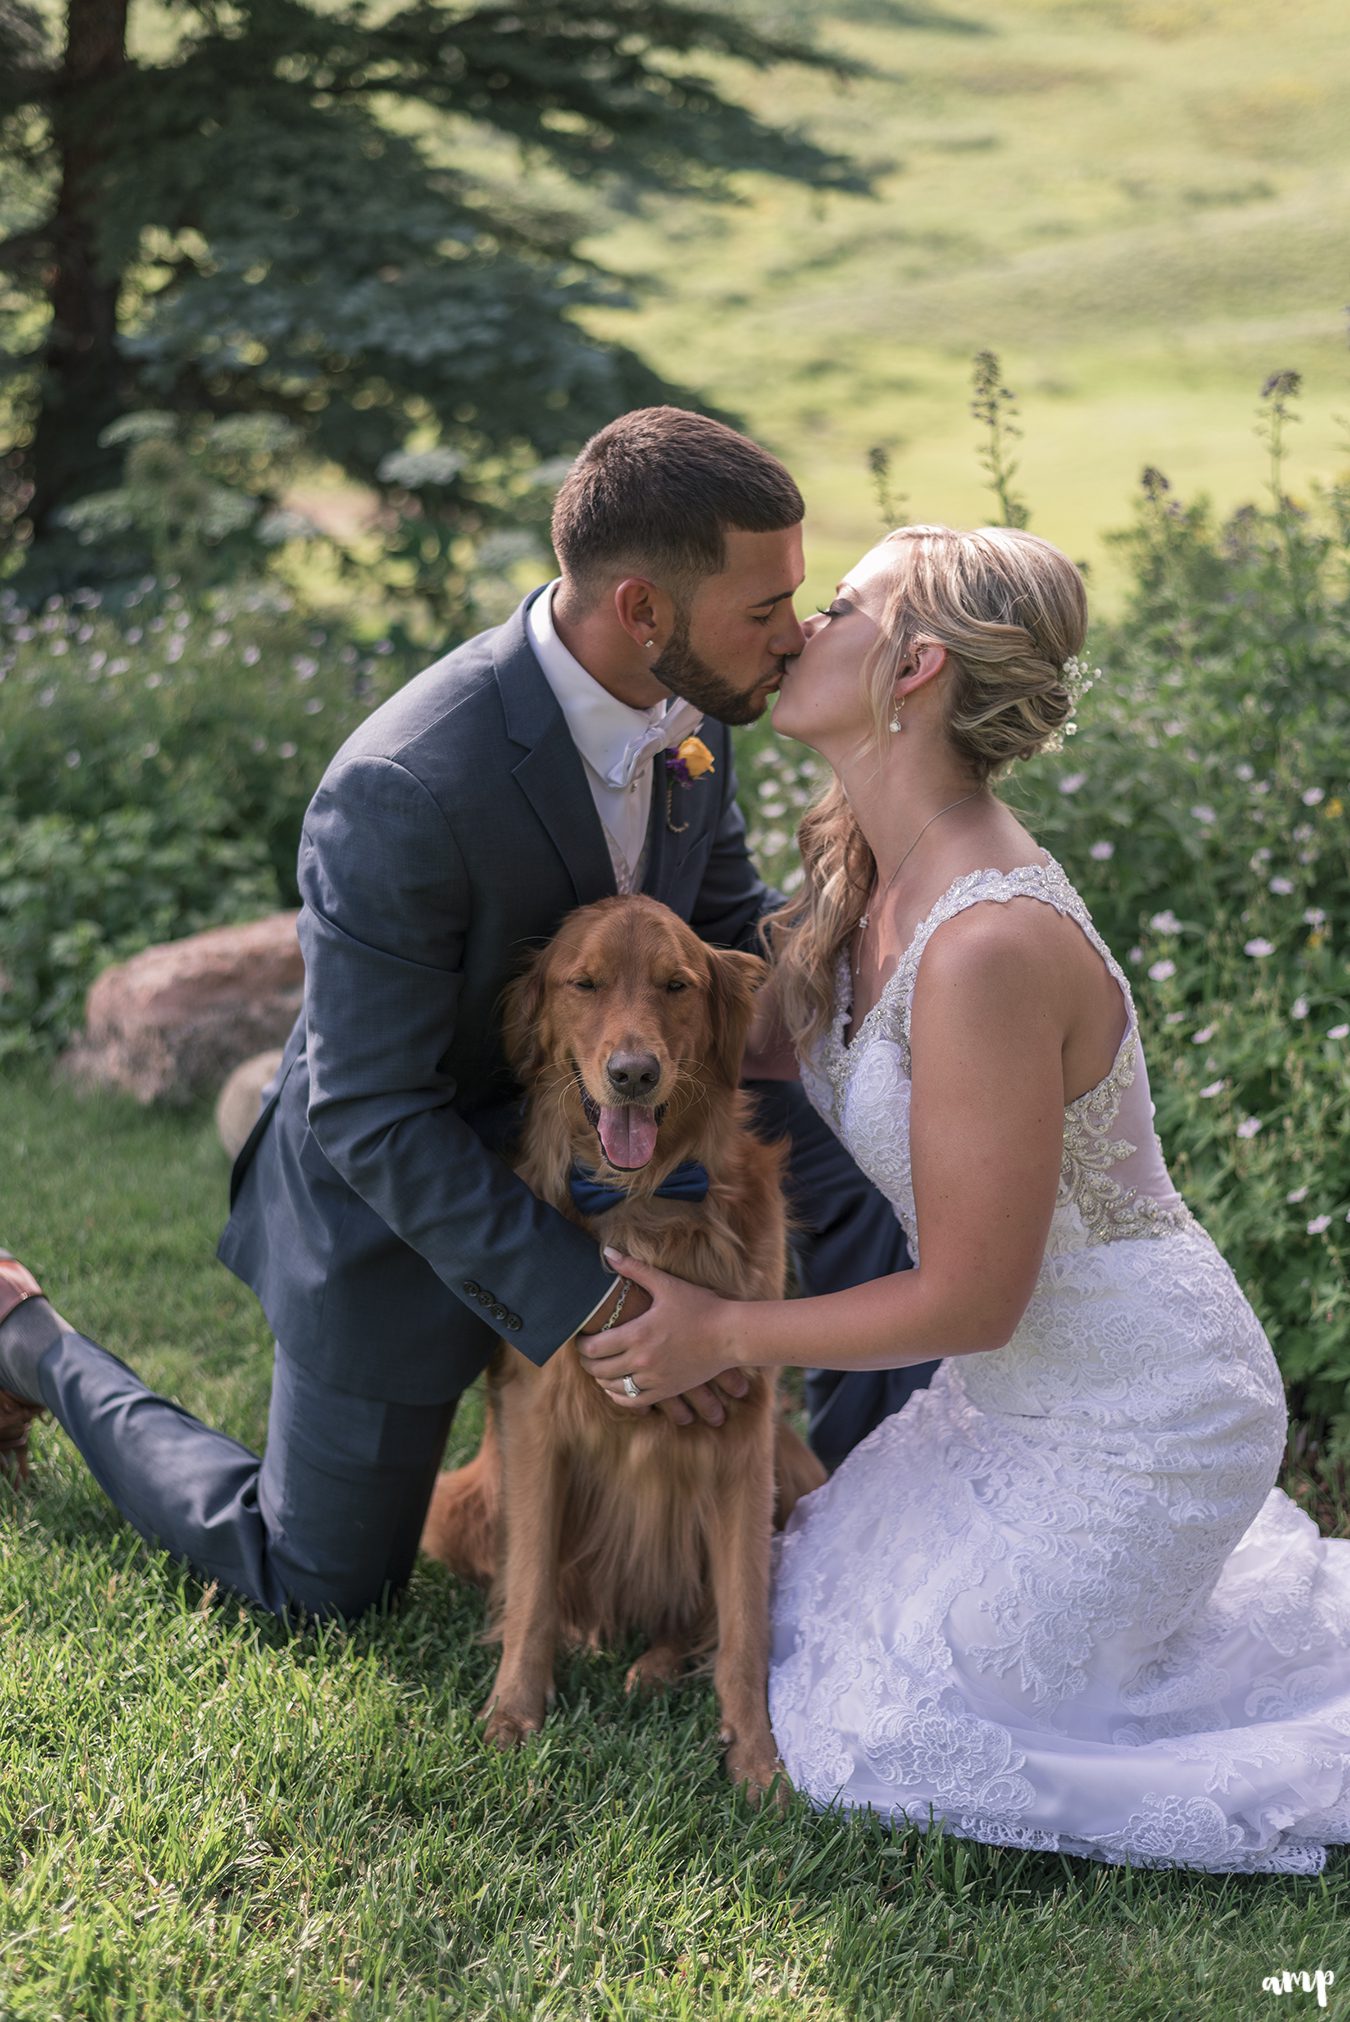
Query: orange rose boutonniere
{"type": "Point", "coordinates": [689, 761]}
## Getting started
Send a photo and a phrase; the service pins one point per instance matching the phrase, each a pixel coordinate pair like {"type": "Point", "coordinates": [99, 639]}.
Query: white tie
{"type": "Point", "coordinates": [681, 720]}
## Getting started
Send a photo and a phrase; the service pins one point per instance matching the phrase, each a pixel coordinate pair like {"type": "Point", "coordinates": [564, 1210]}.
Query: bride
{"type": "Point", "coordinates": [1057, 1601]}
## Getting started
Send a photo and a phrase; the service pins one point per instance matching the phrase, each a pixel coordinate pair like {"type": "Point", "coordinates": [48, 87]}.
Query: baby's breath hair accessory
{"type": "Point", "coordinates": [1078, 677]}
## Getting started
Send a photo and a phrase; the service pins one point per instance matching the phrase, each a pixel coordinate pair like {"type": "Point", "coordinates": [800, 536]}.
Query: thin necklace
{"type": "Point", "coordinates": [864, 919]}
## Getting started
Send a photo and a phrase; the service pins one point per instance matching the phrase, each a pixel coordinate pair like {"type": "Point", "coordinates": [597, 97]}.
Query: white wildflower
{"type": "Point", "coordinates": [1215, 1088]}
{"type": "Point", "coordinates": [1298, 1194]}
{"type": "Point", "coordinates": [1338, 1032]}
{"type": "Point", "coordinates": [1161, 971]}
{"type": "Point", "coordinates": [1258, 949]}
{"type": "Point", "coordinates": [1165, 923]}
{"type": "Point", "coordinates": [1299, 1008]}
{"type": "Point", "coordinates": [1281, 887]}
{"type": "Point", "coordinates": [1249, 1126]}
{"type": "Point", "coordinates": [1205, 815]}
{"type": "Point", "coordinates": [1319, 1225]}
{"type": "Point", "coordinates": [1102, 851]}
{"type": "Point", "coordinates": [1313, 797]}
{"type": "Point", "coordinates": [1203, 1036]}
{"type": "Point", "coordinates": [1072, 781]}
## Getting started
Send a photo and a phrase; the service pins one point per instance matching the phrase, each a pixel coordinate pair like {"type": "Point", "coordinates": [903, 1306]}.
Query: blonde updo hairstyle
{"type": "Point", "coordinates": [1010, 609]}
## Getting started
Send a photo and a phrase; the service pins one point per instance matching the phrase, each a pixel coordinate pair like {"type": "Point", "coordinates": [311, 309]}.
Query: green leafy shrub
{"type": "Point", "coordinates": [155, 763]}
{"type": "Point", "coordinates": [76, 895]}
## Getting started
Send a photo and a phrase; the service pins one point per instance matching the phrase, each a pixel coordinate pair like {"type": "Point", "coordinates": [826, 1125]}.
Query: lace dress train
{"type": "Point", "coordinates": [1057, 1602]}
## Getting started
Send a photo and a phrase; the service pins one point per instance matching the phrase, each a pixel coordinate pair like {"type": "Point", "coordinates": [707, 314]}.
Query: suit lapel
{"type": "Point", "coordinates": [549, 771]}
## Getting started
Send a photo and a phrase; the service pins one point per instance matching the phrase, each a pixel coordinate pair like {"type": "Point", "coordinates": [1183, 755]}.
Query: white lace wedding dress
{"type": "Point", "coordinates": [1057, 1601]}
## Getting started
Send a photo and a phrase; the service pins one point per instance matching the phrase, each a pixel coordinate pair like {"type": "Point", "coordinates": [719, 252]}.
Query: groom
{"type": "Point", "coordinates": [373, 1211]}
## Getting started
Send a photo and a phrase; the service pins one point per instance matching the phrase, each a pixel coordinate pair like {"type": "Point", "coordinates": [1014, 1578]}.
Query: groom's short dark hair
{"type": "Point", "coordinates": [658, 490]}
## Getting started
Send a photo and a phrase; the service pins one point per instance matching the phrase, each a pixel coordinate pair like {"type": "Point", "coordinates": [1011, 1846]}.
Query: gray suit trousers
{"type": "Point", "coordinates": [326, 1524]}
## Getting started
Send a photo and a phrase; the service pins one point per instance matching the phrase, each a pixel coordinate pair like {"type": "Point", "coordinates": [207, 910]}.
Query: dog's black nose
{"type": "Point", "coordinates": [633, 1073]}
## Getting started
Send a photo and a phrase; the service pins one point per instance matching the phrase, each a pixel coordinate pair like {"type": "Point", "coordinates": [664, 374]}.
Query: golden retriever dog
{"type": "Point", "coordinates": [589, 1521]}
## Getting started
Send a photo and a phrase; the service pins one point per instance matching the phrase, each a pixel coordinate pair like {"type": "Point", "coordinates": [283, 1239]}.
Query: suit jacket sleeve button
{"type": "Point", "coordinates": [471, 1288]}
{"type": "Point", "coordinates": [499, 1312]}
{"type": "Point", "coordinates": [514, 1322]}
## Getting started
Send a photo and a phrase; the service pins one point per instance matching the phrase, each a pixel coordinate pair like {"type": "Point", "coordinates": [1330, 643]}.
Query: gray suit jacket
{"type": "Point", "coordinates": [372, 1209]}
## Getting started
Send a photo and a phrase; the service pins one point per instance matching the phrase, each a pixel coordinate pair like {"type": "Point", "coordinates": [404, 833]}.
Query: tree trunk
{"type": "Point", "coordinates": [80, 393]}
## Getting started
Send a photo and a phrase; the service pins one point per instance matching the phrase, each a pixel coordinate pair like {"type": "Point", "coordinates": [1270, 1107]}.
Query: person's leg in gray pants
{"type": "Point", "coordinates": [325, 1524]}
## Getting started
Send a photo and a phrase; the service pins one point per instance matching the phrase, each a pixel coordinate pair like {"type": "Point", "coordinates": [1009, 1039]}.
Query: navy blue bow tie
{"type": "Point", "coordinates": [688, 1182]}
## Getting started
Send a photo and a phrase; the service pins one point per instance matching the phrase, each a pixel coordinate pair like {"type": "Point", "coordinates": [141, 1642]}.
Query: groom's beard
{"type": "Point", "coordinates": [682, 671]}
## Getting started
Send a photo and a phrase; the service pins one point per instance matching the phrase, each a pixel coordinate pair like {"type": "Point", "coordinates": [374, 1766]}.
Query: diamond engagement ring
{"type": "Point", "coordinates": [630, 1387]}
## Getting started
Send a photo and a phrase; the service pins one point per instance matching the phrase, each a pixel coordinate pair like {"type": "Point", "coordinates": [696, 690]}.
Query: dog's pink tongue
{"type": "Point", "coordinates": [628, 1136]}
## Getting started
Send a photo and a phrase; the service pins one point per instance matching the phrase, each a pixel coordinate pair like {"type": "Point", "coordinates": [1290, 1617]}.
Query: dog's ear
{"type": "Point", "coordinates": [735, 979]}
{"type": "Point", "coordinates": [524, 1041]}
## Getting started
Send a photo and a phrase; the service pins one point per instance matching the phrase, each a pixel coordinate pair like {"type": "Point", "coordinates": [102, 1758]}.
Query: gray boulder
{"type": "Point", "coordinates": [173, 1023]}
{"type": "Point", "coordinates": [240, 1099]}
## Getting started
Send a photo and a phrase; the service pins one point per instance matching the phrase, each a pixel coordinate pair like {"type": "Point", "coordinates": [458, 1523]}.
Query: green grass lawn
{"type": "Point", "coordinates": [200, 1817]}
{"type": "Point", "coordinates": [1139, 204]}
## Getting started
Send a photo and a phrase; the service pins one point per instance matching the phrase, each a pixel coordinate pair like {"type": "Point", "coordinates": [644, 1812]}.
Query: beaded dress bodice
{"type": "Point", "coordinates": [1114, 1184]}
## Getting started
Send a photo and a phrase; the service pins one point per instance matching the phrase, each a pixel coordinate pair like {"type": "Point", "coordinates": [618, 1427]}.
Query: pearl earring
{"type": "Point", "coordinates": [896, 724]}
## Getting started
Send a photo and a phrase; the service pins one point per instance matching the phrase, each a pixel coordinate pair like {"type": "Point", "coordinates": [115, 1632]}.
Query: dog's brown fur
{"type": "Point", "coordinates": [588, 1520]}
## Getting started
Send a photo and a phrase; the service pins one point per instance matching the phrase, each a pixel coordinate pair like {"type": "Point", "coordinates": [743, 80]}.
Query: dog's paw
{"type": "Point", "coordinates": [655, 1669]}
{"type": "Point", "coordinates": [755, 1768]}
{"type": "Point", "coordinates": [505, 1727]}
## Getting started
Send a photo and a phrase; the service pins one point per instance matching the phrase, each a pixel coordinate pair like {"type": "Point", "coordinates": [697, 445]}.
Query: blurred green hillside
{"type": "Point", "coordinates": [1141, 205]}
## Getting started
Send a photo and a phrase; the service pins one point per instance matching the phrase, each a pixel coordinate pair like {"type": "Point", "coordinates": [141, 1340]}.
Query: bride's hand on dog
{"type": "Point", "coordinates": [673, 1349]}
{"type": "Point", "coordinates": [679, 1410]}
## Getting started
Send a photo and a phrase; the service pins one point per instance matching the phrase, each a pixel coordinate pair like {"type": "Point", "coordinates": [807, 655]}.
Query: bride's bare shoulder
{"type": "Point", "coordinates": [1012, 955]}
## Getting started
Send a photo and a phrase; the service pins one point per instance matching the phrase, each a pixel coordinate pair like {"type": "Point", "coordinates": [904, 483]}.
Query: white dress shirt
{"type": "Point", "coordinates": [602, 729]}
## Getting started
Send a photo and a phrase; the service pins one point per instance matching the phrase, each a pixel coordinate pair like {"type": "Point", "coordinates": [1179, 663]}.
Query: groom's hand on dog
{"type": "Point", "coordinates": [704, 1402]}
